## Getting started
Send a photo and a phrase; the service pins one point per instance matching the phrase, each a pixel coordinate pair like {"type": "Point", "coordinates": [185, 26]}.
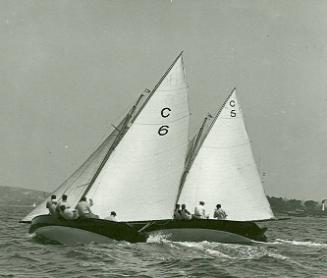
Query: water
{"type": "Point", "coordinates": [296, 248]}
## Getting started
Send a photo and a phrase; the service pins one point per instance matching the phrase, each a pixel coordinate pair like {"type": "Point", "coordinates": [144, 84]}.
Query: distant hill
{"type": "Point", "coordinates": [15, 196]}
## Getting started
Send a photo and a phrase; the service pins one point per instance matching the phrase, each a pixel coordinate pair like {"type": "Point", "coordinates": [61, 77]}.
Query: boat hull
{"type": "Point", "coordinates": [103, 231]}
{"type": "Point", "coordinates": [83, 230]}
{"type": "Point", "coordinates": [204, 230]}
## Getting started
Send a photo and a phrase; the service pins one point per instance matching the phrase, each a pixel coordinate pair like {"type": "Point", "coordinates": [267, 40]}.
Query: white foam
{"type": "Point", "coordinates": [301, 243]}
{"type": "Point", "coordinates": [157, 238]}
{"type": "Point", "coordinates": [219, 254]}
{"type": "Point", "coordinates": [277, 256]}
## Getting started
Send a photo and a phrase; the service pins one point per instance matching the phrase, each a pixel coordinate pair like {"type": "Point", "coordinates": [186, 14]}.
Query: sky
{"type": "Point", "coordinates": [70, 69]}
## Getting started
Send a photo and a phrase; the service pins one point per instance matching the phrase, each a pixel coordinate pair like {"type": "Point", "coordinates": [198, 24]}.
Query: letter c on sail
{"type": "Point", "coordinates": [163, 114]}
{"type": "Point", "coordinates": [232, 103]}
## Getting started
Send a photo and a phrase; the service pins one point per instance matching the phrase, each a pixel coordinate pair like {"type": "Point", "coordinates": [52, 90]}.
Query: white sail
{"type": "Point", "coordinates": [140, 180]}
{"type": "Point", "coordinates": [76, 184]}
{"type": "Point", "coordinates": [224, 170]}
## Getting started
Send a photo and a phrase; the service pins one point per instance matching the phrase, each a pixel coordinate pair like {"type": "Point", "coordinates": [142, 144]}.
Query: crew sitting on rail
{"type": "Point", "coordinates": [51, 205]}
{"type": "Point", "coordinates": [61, 202]}
{"type": "Point", "coordinates": [200, 212]}
{"type": "Point", "coordinates": [68, 213]}
{"type": "Point", "coordinates": [112, 217]}
{"type": "Point", "coordinates": [84, 210]}
{"type": "Point", "coordinates": [177, 212]}
{"type": "Point", "coordinates": [219, 213]}
{"type": "Point", "coordinates": [186, 215]}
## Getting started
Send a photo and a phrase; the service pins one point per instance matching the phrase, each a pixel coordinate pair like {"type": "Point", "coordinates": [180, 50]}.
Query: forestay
{"type": "Point", "coordinates": [140, 180]}
{"type": "Point", "coordinates": [76, 184]}
{"type": "Point", "coordinates": [224, 170]}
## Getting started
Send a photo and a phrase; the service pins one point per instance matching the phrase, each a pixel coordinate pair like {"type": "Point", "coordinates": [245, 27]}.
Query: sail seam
{"type": "Point", "coordinates": [138, 123]}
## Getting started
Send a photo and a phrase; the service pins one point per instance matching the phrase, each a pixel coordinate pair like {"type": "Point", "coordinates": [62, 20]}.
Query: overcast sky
{"type": "Point", "coordinates": [68, 69]}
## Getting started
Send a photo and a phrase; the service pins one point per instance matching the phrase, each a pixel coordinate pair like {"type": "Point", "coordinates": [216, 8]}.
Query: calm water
{"type": "Point", "coordinates": [296, 248]}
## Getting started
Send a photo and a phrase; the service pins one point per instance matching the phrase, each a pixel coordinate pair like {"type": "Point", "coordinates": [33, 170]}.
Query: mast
{"type": "Point", "coordinates": [115, 143]}
{"type": "Point", "coordinates": [191, 156]}
{"type": "Point", "coordinates": [199, 141]}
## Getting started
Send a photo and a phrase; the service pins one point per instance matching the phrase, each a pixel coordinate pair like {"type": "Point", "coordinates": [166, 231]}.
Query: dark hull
{"type": "Point", "coordinates": [204, 230]}
{"type": "Point", "coordinates": [84, 230]}
{"type": "Point", "coordinates": [97, 230]}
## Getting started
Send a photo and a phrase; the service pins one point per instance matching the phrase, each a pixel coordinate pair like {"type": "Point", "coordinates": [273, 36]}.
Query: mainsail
{"type": "Point", "coordinates": [140, 179]}
{"type": "Point", "coordinates": [222, 168]}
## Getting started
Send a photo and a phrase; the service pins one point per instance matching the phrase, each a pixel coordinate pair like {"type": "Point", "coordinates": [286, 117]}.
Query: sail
{"type": "Point", "coordinates": [76, 184]}
{"type": "Point", "coordinates": [140, 179]}
{"type": "Point", "coordinates": [223, 169]}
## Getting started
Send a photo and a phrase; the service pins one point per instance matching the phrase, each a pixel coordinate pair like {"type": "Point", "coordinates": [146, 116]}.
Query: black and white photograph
{"type": "Point", "coordinates": [163, 138]}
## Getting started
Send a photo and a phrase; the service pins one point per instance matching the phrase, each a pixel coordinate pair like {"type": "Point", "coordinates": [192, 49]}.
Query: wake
{"type": "Point", "coordinates": [300, 243]}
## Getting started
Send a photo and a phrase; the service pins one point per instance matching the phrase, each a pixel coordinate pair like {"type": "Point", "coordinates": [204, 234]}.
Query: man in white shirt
{"type": "Point", "coordinates": [62, 202]}
{"type": "Point", "coordinates": [200, 212]}
{"type": "Point", "coordinates": [84, 210]}
{"type": "Point", "coordinates": [68, 213]}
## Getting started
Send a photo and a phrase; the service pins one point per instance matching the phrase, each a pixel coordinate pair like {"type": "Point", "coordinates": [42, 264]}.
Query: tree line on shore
{"type": "Point", "coordinates": [283, 205]}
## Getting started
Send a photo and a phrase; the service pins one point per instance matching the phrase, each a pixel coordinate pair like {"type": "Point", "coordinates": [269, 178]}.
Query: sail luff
{"type": "Point", "coordinates": [190, 156]}
{"type": "Point", "coordinates": [112, 148]}
{"type": "Point", "coordinates": [214, 120]}
{"type": "Point", "coordinates": [199, 141]}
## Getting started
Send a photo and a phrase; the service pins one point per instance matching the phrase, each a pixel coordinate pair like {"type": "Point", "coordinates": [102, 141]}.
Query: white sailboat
{"type": "Point", "coordinates": [223, 169]}
{"type": "Point", "coordinates": [135, 171]}
{"type": "Point", "coordinates": [220, 168]}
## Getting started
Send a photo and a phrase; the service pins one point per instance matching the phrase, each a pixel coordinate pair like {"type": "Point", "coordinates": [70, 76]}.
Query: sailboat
{"type": "Point", "coordinates": [147, 164]}
{"type": "Point", "coordinates": [220, 168]}
{"type": "Point", "coordinates": [135, 171]}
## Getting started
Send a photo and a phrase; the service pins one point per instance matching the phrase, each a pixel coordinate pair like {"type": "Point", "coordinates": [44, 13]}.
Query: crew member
{"type": "Point", "coordinates": [61, 202]}
{"type": "Point", "coordinates": [68, 213]}
{"type": "Point", "coordinates": [177, 212]}
{"type": "Point", "coordinates": [219, 213]}
{"type": "Point", "coordinates": [112, 216]}
{"type": "Point", "coordinates": [84, 210]}
{"type": "Point", "coordinates": [200, 212]}
{"type": "Point", "coordinates": [51, 204]}
{"type": "Point", "coordinates": [186, 215]}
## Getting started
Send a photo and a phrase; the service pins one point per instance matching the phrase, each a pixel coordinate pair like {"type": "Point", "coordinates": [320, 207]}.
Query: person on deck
{"type": "Point", "coordinates": [200, 212]}
{"type": "Point", "coordinates": [177, 212]}
{"type": "Point", "coordinates": [68, 213]}
{"type": "Point", "coordinates": [112, 217]}
{"type": "Point", "coordinates": [186, 215]}
{"type": "Point", "coordinates": [219, 213]}
{"type": "Point", "coordinates": [61, 202]}
{"type": "Point", "coordinates": [84, 210]}
{"type": "Point", "coordinates": [51, 204]}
